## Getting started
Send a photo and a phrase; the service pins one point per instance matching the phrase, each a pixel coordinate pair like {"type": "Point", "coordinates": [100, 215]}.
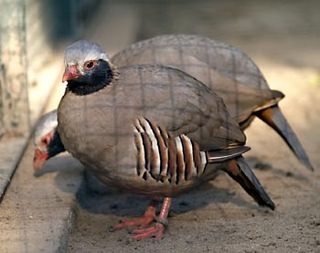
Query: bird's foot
{"type": "Point", "coordinates": [155, 231]}
{"type": "Point", "coordinates": [142, 221]}
{"type": "Point", "coordinates": [149, 216]}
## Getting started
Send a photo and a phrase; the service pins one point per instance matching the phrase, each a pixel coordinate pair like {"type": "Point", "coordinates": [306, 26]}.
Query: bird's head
{"type": "Point", "coordinates": [46, 140]}
{"type": "Point", "coordinates": [87, 67]}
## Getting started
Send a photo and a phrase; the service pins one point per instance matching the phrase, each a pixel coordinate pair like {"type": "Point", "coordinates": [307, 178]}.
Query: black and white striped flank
{"type": "Point", "coordinates": [165, 158]}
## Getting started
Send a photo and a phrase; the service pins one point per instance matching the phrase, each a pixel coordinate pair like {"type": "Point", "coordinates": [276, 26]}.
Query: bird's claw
{"type": "Point", "coordinates": [155, 231]}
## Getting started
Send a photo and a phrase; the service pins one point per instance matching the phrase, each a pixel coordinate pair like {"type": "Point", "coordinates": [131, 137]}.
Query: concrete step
{"type": "Point", "coordinates": [36, 214]}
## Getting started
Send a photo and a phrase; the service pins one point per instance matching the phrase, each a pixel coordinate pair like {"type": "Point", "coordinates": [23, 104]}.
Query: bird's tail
{"type": "Point", "coordinates": [274, 118]}
{"type": "Point", "coordinates": [240, 171]}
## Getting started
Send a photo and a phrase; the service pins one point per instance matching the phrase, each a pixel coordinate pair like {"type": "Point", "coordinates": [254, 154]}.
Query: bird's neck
{"type": "Point", "coordinates": [102, 77]}
{"type": "Point", "coordinates": [55, 146]}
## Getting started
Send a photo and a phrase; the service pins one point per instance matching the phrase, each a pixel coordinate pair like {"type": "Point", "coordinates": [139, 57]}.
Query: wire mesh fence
{"type": "Point", "coordinates": [30, 33]}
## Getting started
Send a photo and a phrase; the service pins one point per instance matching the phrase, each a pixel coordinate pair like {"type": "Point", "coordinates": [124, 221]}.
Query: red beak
{"type": "Point", "coordinates": [40, 157]}
{"type": "Point", "coordinates": [70, 73]}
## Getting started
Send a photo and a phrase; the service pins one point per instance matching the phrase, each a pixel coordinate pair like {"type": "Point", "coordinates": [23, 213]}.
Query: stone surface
{"type": "Point", "coordinates": [36, 214]}
{"type": "Point", "coordinates": [11, 150]}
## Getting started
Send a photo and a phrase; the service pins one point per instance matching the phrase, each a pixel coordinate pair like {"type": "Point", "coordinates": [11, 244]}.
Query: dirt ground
{"type": "Point", "coordinates": [283, 38]}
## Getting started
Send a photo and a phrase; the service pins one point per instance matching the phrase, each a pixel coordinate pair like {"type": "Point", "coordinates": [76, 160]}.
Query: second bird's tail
{"type": "Point", "coordinates": [241, 172]}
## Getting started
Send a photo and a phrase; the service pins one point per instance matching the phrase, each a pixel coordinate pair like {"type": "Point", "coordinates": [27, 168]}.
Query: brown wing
{"type": "Point", "coordinates": [223, 68]}
{"type": "Point", "coordinates": [180, 104]}
{"type": "Point", "coordinates": [224, 58]}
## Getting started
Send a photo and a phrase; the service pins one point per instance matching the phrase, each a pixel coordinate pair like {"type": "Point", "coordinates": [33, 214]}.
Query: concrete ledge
{"type": "Point", "coordinates": [12, 147]}
{"type": "Point", "coordinates": [11, 150]}
{"type": "Point", "coordinates": [36, 214]}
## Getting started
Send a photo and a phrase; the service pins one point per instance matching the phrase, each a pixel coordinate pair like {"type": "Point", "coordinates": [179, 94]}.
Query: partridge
{"type": "Point", "coordinates": [226, 70]}
{"type": "Point", "coordinates": [149, 129]}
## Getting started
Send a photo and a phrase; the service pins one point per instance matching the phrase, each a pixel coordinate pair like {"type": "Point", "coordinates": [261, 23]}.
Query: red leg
{"type": "Point", "coordinates": [147, 218]}
{"type": "Point", "coordinates": [158, 229]}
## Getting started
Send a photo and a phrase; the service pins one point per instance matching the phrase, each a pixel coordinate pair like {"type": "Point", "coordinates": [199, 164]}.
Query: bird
{"type": "Point", "coordinates": [149, 129]}
{"type": "Point", "coordinates": [225, 69]}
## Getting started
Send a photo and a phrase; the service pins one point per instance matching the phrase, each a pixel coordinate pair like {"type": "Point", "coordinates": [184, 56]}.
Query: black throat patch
{"type": "Point", "coordinates": [91, 82]}
{"type": "Point", "coordinates": [55, 146]}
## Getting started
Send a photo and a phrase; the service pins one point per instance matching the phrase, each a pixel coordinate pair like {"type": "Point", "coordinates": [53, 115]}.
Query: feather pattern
{"type": "Point", "coordinates": [156, 152]}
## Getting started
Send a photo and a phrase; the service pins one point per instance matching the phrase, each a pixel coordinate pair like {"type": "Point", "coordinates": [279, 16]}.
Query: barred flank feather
{"type": "Point", "coordinates": [166, 158]}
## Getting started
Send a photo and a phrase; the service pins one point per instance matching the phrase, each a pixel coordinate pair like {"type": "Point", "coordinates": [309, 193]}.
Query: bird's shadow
{"type": "Point", "coordinates": [95, 197]}
{"type": "Point", "coordinates": [262, 165]}
{"type": "Point", "coordinates": [114, 201]}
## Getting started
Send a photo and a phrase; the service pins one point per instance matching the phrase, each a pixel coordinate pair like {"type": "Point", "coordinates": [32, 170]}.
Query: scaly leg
{"type": "Point", "coordinates": [158, 229]}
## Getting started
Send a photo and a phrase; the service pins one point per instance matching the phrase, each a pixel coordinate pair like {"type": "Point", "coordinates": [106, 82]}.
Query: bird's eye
{"type": "Point", "coordinates": [44, 141]}
{"type": "Point", "coordinates": [89, 64]}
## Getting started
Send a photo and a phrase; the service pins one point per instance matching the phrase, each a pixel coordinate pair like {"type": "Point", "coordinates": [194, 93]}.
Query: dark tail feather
{"type": "Point", "coordinates": [240, 171]}
{"type": "Point", "coordinates": [274, 118]}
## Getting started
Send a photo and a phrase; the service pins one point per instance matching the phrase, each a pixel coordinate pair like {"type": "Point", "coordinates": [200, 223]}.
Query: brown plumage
{"type": "Point", "coordinates": [150, 129]}
{"type": "Point", "coordinates": [224, 69]}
